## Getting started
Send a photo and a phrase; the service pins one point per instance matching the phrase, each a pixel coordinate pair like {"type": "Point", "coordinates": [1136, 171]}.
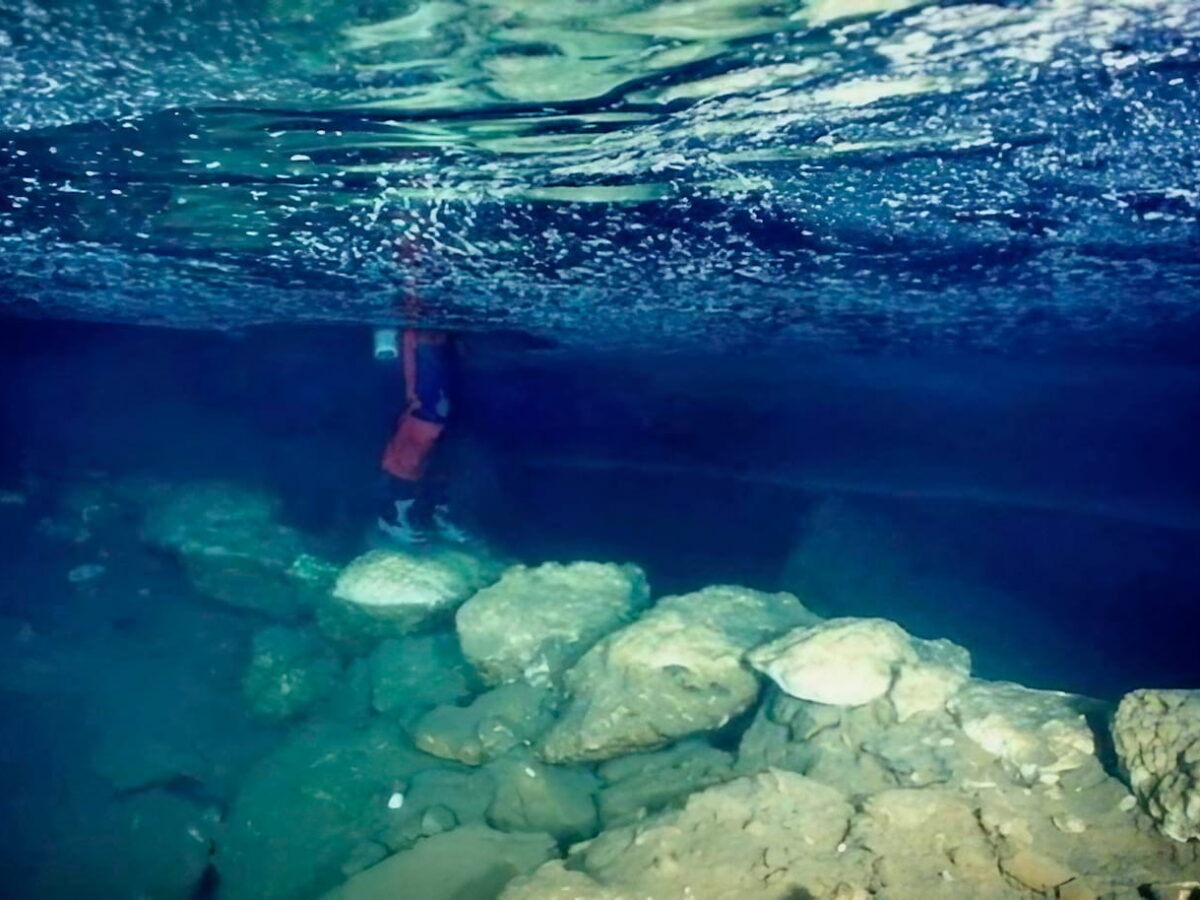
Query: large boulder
{"type": "Point", "coordinates": [494, 723]}
{"type": "Point", "coordinates": [676, 671]}
{"type": "Point", "coordinates": [562, 610]}
{"type": "Point", "coordinates": [851, 662]}
{"type": "Point", "coordinates": [231, 546]}
{"type": "Point", "coordinates": [472, 862]}
{"type": "Point", "coordinates": [1036, 735]}
{"type": "Point", "coordinates": [1157, 738]}
{"type": "Point", "coordinates": [290, 671]}
{"type": "Point", "coordinates": [387, 593]}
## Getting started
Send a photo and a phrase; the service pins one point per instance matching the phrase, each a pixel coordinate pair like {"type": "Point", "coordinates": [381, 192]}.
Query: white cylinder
{"type": "Point", "coordinates": [386, 344]}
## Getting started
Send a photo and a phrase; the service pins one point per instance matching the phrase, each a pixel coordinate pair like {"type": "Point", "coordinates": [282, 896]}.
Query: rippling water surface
{"type": "Point", "coordinates": [1016, 175]}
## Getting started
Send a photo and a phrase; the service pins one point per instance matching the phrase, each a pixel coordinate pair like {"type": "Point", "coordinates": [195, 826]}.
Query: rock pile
{"type": "Point", "coordinates": [548, 732]}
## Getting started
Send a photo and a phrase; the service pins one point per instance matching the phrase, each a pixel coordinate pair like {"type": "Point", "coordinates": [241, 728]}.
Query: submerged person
{"type": "Point", "coordinates": [416, 507]}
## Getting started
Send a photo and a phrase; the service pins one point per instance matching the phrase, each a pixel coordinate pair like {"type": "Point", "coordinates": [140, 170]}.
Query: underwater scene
{"type": "Point", "coordinates": [599, 449]}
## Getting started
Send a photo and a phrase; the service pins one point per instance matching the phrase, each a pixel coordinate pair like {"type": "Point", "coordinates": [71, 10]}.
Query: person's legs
{"type": "Point", "coordinates": [409, 507]}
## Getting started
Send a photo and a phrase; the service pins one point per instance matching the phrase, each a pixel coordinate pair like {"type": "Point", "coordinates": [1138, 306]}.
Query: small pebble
{"type": "Point", "coordinates": [396, 800]}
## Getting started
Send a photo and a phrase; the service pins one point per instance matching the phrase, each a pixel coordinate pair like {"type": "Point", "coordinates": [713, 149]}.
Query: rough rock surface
{"type": "Point", "coordinates": [649, 782]}
{"type": "Point", "coordinates": [850, 662]}
{"type": "Point", "coordinates": [470, 862]}
{"type": "Point", "coordinates": [532, 796]}
{"type": "Point", "coordinates": [390, 592]}
{"type": "Point", "coordinates": [290, 671]}
{"type": "Point", "coordinates": [1082, 821]}
{"type": "Point", "coordinates": [778, 835]}
{"type": "Point", "coordinates": [562, 609]}
{"type": "Point", "coordinates": [411, 675]}
{"type": "Point", "coordinates": [768, 836]}
{"type": "Point", "coordinates": [1035, 734]}
{"type": "Point", "coordinates": [676, 671]}
{"type": "Point", "coordinates": [1157, 738]}
{"type": "Point", "coordinates": [231, 547]}
{"type": "Point", "coordinates": [494, 723]}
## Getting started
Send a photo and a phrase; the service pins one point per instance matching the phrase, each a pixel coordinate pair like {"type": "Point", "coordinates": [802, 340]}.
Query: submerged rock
{"type": "Point", "coordinates": [774, 835]}
{"type": "Point", "coordinates": [1036, 735]}
{"type": "Point", "coordinates": [1157, 738]}
{"type": "Point", "coordinates": [306, 810]}
{"type": "Point", "coordinates": [647, 782]}
{"type": "Point", "coordinates": [410, 675]}
{"type": "Point", "coordinates": [472, 862]}
{"type": "Point", "coordinates": [231, 547]}
{"type": "Point", "coordinates": [290, 671]}
{"type": "Point", "coordinates": [850, 662]}
{"type": "Point", "coordinates": [494, 723]}
{"type": "Point", "coordinates": [676, 671]}
{"type": "Point", "coordinates": [535, 622]}
{"type": "Point", "coordinates": [438, 800]}
{"type": "Point", "coordinates": [532, 796]}
{"type": "Point", "coordinates": [390, 593]}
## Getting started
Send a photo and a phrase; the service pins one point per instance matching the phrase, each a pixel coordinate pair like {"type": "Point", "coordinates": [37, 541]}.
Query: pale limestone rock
{"type": "Point", "coordinates": [745, 616]}
{"type": "Point", "coordinates": [562, 610]}
{"type": "Point", "coordinates": [406, 590]}
{"type": "Point", "coordinates": [1036, 735]}
{"type": "Point", "coordinates": [659, 679]}
{"type": "Point", "coordinates": [770, 836]}
{"type": "Point", "coordinates": [1157, 737]}
{"type": "Point", "coordinates": [927, 843]}
{"type": "Point", "coordinates": [676, 671]}
{"type": "Point", "coordinates": [851, 662]}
